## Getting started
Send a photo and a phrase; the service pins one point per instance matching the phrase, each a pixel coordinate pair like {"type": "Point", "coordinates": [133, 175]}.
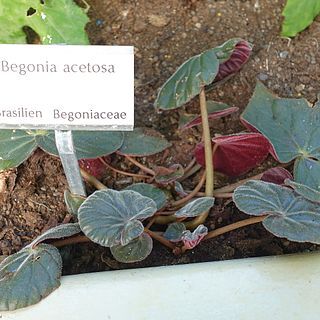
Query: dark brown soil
{"type": "Point", "coordinates": [164, 34]}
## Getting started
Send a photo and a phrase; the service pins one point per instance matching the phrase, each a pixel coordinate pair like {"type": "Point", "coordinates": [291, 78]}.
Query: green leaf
{"type": "Point", "coordinates": [307, 172]}
{"type": "Point", "coordinates": [303, 190]}
{"type": "Point", "coordinates": [175, 231]}
{"type": "Point", "coordinates": [288, 214]}
{"type": "Point", "coordinates": [298, 14]}
{"type": "Point", "coordinates": [291, 125]}
{"type": "Point", "coordinates": [195, 207]}
{"type": "Point", "coordinates": [15, 147]}
{"type": "Point", "coordinates": [60, 231]}
{"type": "Point", "coordinates": [150, 191]}
{"type": "Point", "coordinates": [188, 80]}
{"type": "Point", "coordinates": [110, 217]}
{"type": "Point", "coordinates": [73, 202]}
{"type": "Point", "coordinates": [135, 251]}
{"type": "Point", "coordinates": [58, 21]}
{"type": "Point", "coordinates": [201, 70]}
{"type": "Point", "coordinates": [28, 276]}
{"type": "Point", "coordinates": [143, 142]}
{"type": "Point", "coordinates": [88, 144]}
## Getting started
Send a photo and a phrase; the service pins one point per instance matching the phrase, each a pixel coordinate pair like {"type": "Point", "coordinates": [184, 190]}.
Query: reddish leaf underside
{"type": "Point", "coordinates": [94, 166]}
{"type": "Point", "coordinates": [236, 154]}
{"type": "Point", "coordinates": [276, 175]}
{"type": "Point", "coordinates": [238, 58]}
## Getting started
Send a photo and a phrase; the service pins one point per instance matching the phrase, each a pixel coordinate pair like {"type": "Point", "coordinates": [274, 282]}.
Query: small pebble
{"type": "Point", "coordinates": [263, 76]}
{"type": "Point", "coordinates": [300, 87]}
{"type": "Point", "coordinates": [283, 54]}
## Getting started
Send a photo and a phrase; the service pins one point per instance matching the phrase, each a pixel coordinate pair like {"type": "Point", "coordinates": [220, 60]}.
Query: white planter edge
{"type": "Point", "coordinates": [283, 287]}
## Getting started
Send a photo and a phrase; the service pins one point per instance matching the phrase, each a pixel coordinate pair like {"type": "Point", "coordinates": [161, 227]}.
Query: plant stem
{"type": "Point", "coordinates": [207, 144]}
{"type": "Point", "coordinates": [71, 240]}
{"type": "Point", "coordinates": [123, 172]}
{"type": "Point", "coordinates": [231, 187]}
{"type": "Point", "coordinates": [234, 226]}
{"type": "Point", "coordinates": [139, 165]}
{"type": "Point", "coordinates": [190, 172]}
{"type": "Point", "coordinates": [192, 193]}
{"type": "Point", "coordinates": [92, 180]}
{"type": "Point", "coordinates": [159, 238]}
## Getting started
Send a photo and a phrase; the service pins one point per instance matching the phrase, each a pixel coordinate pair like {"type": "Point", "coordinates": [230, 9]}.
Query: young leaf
{"type": "Point", "coordinates": [178, 188]}
{"type": "Point", "coordinates": [110, 217]}
{"type": "Point", "coordinates": [143, 142]}
{"type": "Point", "coordinates": [195, 207]}
{"type": "Point", "coordinates": [215, 110]}
{"type": "Point", "coordinates": [88, 144]}
{"type": "Point", "coordinates": [288, 215]}
{"type": "Point", "coordinates": [175, 231]}
{"type": "Point", "coordinates": [298, 16]}
{"type": "Point", "coordinates": [95, 167]}
{"type": "Point", "coordinates": [150, 191]}
{"type": "Point", "coordinates": [28, 276]}
{"type": "Point", "coordinates": [167, 175]}
{"type": "Point", "coordinates": [136, 250]}
{"type": "Point", "coordinates": [188, 80]}
{"type": "Point", "coordinates": [303, 190]}
{"type": "Point", "coordinates": [232, 63]}
{"type": "Point", "coordinates": [276, 175]}
{"type": "Point", "coordinates": [60, 231]}
{"type": "Point", "coordinates": [73, 202]}
{"type": "Point", "coordinates": [60, 21]}
{"type": "Point", "coordinates": [192, 239]}
{"type": "Point", "coordinates": [236, 154]}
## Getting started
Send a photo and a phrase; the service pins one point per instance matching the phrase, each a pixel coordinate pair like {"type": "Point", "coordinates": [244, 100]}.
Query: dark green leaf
{"type": "Point", "coordinates": [174, 231]}
{"type": "Point", "coordinates": [107, 216]}
{"type": "Point", "coordinates": [150, 191]}
{"type": "Point", "coordinates": [143, 142]}
{"type": "Point", "coordinates": [299, 14]}
{"type": "Point", "coordinates": [288, 214]}
{"type": "Point", "coordinates": [291, 125]}
{"type": "Point", "coordinates": [60, 231]}
{"type": "Point", "coordinates": [60, 21]}
{"type": "Point", "coordinates": [88, 144]}
{"type": "Point", "coordinates": [73, 202]}
{"type": "Point", "coordinates": [195, 207]}
{"type": "Point", "coordinates": [188, 80]}
{"type": "Point", "coordinates": [135, 251]}
{"type": "Point", "coordinates": [15, 147]}
{"type": "Point", "coordinates": [28, 276]}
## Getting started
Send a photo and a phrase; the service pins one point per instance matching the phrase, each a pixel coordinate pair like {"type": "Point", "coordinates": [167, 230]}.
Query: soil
{"type": "Point", "coordinates": [165, 33]}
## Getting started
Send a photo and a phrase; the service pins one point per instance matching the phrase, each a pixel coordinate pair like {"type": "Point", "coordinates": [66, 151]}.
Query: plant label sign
{"type": "Point", "coordinates": [67, 87]}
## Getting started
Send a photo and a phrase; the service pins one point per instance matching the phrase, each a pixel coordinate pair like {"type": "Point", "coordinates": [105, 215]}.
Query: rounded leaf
{"type": "Point", "coordinates": [88, 144]}
{"type": "Point", "coordinates": [28, 276]}
{"type": "Point", "coordinates": [107, 216]}
{"type": "Point", "coordinates": [143, 142]}
{"type": "Point", "coordinates": [150, 191]}
{"type": "Point", "coordinates": [195, 207]}
{"type": "Point", "coordinates": [135, 251]}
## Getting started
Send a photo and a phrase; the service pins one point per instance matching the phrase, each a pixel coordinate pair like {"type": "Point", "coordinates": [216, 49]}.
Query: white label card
{"type": "Point", "coordinates": [66, 87]}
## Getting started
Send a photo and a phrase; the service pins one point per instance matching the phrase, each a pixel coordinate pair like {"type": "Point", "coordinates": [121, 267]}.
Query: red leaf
{"type": "Point", "coordinates": [238, 58]}
{"type": "Point", "coordinates": [253, 129]}
{"type": "Point", "coordinates": [236, 154]}
{"type": "Point", "coordinates": [94, 166]}
{"type": "Point", "coordinates": [276, 175]}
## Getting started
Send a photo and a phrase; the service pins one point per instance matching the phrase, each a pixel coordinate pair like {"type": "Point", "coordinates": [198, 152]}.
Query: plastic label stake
{"type": "Point", "coordinates": [64, 143]}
